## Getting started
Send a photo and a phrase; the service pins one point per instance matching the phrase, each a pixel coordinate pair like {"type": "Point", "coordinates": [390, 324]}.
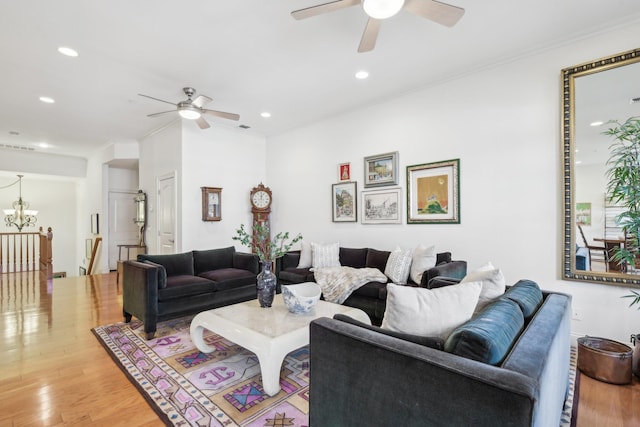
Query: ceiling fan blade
{"type": "Point", "coordinates": [323, 8]}
{"type": "Point", "coordinates": [163, 112]}
{"type": "Point", "coordinates": [370, 35]}
{"type": "Point", "coordinates": [202, 123]}
{"type": "Point", "coordinates": [201, 101]}
{"type": "Point", "coordinates": [435, 11]}
{"type": "Point", "coordinates": [230, 116]}
{"type": "Point", "coordinates": [156, 99]}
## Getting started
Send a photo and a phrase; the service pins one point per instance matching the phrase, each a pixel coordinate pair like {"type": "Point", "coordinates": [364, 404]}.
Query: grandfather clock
{"type": "Point", "coordinates": [260, 206]}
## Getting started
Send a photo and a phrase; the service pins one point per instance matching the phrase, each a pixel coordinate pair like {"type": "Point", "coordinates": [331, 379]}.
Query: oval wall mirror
{"type": "Point", "coordinates": [593, 94]}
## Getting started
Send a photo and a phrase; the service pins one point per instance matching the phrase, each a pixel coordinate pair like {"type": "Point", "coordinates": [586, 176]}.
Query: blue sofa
{"type": "Point", "coordinates": [507, 366]}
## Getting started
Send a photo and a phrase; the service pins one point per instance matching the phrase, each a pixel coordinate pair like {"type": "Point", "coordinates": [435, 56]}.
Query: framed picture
{"type": "Point", "coordinates": [95, 224]}
{"type": "Point", "coordinates": [344, 202]}
{"type": "Point", "coordinates": [344, 172]}
{"type": "Point", "coordinates": [382, 206]}
{"type": "Point", "coordinates": [211, 203]}
{"type": "Point", "coordinates": [583, 213]}
{"type": "Point", "coordinates": [88, 247]}
{"type": "Point", "coordinates": [433, 193]}
{"type": "Point", "coordinates": [381, 170]}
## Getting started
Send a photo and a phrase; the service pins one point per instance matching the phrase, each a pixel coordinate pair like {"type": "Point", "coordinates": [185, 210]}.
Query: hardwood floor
{"type": "Point", "coordinates": [54, 372]}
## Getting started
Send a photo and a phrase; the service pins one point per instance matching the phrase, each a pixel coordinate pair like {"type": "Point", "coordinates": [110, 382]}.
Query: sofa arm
{"type": "Point", "coordinates": [246, 261]}
{"type": "Point", "coordinates": [453, 269]}
{"type": "Point", "coordinates": [424, 385]}
{"type": "Point", "coordinates": [140, 291]}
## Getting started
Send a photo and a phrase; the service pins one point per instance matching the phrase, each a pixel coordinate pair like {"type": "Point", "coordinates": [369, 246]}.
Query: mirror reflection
{"type": "Point", "coordinates": [595, 94]}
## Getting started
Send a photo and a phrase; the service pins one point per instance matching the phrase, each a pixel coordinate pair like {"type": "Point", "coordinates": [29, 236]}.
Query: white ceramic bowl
{"type": "Point", "coordinates": [302, 297]}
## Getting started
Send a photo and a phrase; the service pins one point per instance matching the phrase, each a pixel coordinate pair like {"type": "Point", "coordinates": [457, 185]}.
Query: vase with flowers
{"type": "Point", "coordinates": [268, 250]}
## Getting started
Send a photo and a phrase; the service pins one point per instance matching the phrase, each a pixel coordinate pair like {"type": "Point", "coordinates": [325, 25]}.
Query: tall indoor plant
{"type": "Point", "coordinates": [623, 187]}
{"type": "Point", "coordinates": [268, 250]}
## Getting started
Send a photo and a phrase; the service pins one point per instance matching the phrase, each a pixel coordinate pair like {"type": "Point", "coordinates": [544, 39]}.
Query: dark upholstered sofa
{"type": "Point", "coordinates": [507, 366]}
{"type": "Point", "coordinates": [370, 298]}
{"type": "Point", "coordinates": [161, 287]}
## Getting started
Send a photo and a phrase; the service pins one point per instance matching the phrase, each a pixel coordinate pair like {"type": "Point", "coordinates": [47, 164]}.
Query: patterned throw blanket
{"type": "Point", "coordinates": [337, 283]}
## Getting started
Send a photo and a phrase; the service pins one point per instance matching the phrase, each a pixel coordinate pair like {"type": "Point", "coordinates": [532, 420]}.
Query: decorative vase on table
{"type": "Point", "coordinates": [266, 283]}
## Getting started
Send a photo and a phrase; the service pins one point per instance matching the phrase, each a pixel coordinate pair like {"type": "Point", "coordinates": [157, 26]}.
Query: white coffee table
{"type": "Point", "coordinates": [270, 333]}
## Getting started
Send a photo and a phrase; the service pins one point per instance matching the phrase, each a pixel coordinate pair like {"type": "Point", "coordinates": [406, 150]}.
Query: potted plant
{"type": "Point", "coordinates": [623, 187]}
{"type": "Point", "coordinates": [268, 250]}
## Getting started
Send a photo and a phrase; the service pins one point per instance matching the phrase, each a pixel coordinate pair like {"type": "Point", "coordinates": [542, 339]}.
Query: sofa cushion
{"type": "Point", "coordinates": [229, 278]}
{"type": "Point", "coordinates": [213, 259]}
{"type": "Point", "coordinates": [489, 336]}
{"type": "Point", "coordinates": [296, 275]}
{"type": "Point", "coordinates": [422, 259]}
{"type": "Point", "coordinates": [174, 264]}
{"type": "Point", "coordinates": [527, 295]}
{"type": "Point", "coordinates": [398, 266]}
{"type": "Point", "coordinates": [493, 283]}
{"type": "Point", "coordinates": [377, 259]}
{"type": "Point", "coordinates": [356, 258]}
{"type": "Point", "coordinates": [376, 290]}
{"type": "Point", "coordinates": [429, 312]}
{"type": "Point", "coordinates": [185, 285]}
{"type": "Point", "coordinates": [433, 342]}
{"type": "Point", "coordinates": [305, 256]}
{"type": "Point", "coordinates": [325, 255]}
{"type": "Point", "coordinates": [162, 274]}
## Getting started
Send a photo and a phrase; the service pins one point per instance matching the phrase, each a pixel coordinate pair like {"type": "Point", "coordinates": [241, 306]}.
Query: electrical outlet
{"type": "Point", "coordinates": [576, 314]}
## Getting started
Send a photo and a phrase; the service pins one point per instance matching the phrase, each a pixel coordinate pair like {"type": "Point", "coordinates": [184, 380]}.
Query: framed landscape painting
{"type": "Point", "coordinates": [433, 193]}
{"type": "Point", "coordinates": [344, 202]}
{"type": "Point", "coordinates": [381, 170]}
{"type": "Point", "coordinates": [382, 206]}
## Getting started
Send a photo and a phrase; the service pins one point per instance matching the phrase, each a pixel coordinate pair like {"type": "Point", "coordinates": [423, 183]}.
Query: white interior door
{"type": "Point", "coordinates": [122, 229]}
{"type": "Point", "coordinates": [167, 214]}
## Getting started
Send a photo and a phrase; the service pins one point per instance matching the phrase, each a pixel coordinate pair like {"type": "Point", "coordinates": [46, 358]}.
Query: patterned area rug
{"type": "Point", "coordinates": [189, 388]}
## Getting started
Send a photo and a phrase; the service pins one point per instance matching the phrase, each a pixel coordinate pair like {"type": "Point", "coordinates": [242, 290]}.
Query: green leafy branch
{"type": "Point", "coordinates": [636, 298]}
{"type": "Point", "coordinates": [267, 249]}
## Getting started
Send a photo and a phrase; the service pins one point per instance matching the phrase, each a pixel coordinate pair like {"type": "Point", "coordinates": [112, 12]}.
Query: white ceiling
{"type": "Point", "coordinates": [249, 56]}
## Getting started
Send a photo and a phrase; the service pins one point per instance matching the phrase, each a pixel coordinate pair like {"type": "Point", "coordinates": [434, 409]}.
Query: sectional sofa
{"type": "Point", "coordinates": [161, 287]}
{"type": "Point", "coordinates": [370, 298]}
{"type": "Point", "coordinates": [507, 366]}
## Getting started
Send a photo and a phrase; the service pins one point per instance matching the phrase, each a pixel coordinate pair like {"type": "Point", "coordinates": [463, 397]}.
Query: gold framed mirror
{"type": "Point", "coordinates": [593, 94]}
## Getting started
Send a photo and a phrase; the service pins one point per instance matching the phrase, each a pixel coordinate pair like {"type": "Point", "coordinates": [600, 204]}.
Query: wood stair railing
{"type": "Point", "coordinates": [27, 252]}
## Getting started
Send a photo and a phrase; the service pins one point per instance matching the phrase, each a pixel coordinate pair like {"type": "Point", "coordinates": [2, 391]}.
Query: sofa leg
{"type": "Point", "coordinates": [127, 318]}
{"type": "Point", "coordinates": [151, 335]}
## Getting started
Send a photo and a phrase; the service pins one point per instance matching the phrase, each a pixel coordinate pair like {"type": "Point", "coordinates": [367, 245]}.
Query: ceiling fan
{"type": "Point", "coordinates": [378, 10]}
{"type": "Point", "coordinates": [192, 109]}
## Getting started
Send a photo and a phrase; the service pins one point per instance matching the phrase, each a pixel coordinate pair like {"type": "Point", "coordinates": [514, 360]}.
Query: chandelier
{"type": "Point", "coordinates": [20, 216]}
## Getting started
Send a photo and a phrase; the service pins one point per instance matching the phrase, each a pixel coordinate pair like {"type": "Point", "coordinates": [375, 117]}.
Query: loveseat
{"type": "Point", "coordinates": [161, 287]}
{"type": "Point", "coordinates": [370, 298]}
{"type": "Point", "coordinates": [507, 366]}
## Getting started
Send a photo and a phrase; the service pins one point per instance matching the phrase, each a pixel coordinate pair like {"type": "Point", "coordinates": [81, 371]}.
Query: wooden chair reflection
{"type": "Point", "coordinates": [591, 247]}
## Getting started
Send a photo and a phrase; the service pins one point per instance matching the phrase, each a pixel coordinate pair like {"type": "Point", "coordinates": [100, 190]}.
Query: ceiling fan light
{"type": "Point", "coordinates": [382, 9]}
{"type": "Point", "coordinates": [189, 113]}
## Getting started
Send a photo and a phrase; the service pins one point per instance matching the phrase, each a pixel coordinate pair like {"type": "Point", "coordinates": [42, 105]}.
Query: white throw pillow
{"type": "Point", "coordinates": [325, 255]}
{"type": "Point", "coordinates": [429, 312]}
{"type": "Point", "coordinates": [423, 258]}
{"type": "Point", "coordinates": [493, 284]}
{"type": "Point", "coordinates": [305, 256]}
{"type": "Point", "coordinates": [398, 266]}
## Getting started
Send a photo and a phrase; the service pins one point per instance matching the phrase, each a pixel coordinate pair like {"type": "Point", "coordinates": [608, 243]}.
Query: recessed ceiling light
{"type": "Point", "coordinates": [67, 51]}
{"type": "Point", "coordinates": [596, 123]}
{"type": "Point", "coordinates": [361, 75]}
{"type": "Point", "coordinates": [47, 100]}
{"type": "Point", "coordinates": [265, 114]}
{"type": "Point", "coordinates": [42, 145]}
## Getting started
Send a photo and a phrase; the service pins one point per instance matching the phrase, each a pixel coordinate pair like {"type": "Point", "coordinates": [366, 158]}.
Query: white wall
{"type": "Point", "coordinates": [220, 156]}
{"type": "Point", "coordinates": [504, 126]}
